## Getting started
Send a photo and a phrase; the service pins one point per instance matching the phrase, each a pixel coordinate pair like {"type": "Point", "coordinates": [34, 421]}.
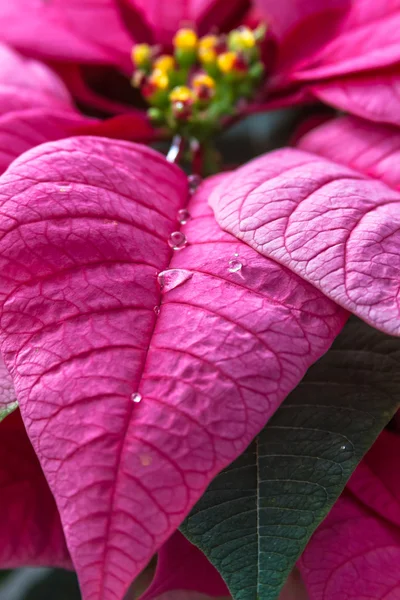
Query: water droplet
{"type": "Point", "coordinates": [171, 278]}
{"type": "Point", "coordinates": [177, 240]}
{"type": "Point", "coordinates": [136, 397]}
{"type": "Point", "coordinates": [194, 182]}
{"type": "Point", "coordinates": [236, 254]}
{"type": "Point", "coordinates": [157, 310]}
{"type": "Point", "coordinates": [183, 216]}
{"type": "Point", "coordinates": [234, 265]}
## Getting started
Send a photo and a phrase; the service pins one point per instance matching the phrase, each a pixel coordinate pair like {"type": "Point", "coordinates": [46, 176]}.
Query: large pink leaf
{"type": "Point", "coordinates": [84, 231]}
{"type": "Point", "coordinates": [366, 147]}
{"type": "Point", "coordinates": [26, 83]}
{"type": "Point", "coordinates": [354, 555]}
{"type": "Point", "coordinates": [181, 566]}
{"type": "Point", "coordinates": [333, 226]}
{"type": "Point", "coordinates": [84, 31]}
{"type": "Point", "coordinates": [30, 528]}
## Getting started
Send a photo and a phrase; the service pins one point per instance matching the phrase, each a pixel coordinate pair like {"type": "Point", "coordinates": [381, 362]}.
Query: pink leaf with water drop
{"type": "Point", "coordinates": [333, 226]}
{"type": "Point", "coordinates": [182, 566]}
{"type": "Point", "coordinates": [84, 231]}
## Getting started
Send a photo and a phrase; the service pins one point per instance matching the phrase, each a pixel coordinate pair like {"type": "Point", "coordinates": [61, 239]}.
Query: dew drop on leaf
{"type": "Point", "coordinates": [136, 397]}
{"type": "Point", "coordinates": [183, 216]}
{"type": "Point", "coordinates": [234, 265]}
{"type": "Point", "coordinates": [177, 240]}
{"type": "Point", "coordinates": [194, 182]}
{"type": "Point", "coordinates": [157, 310]}
{"type": "Point", "coordinates": [172, 278]}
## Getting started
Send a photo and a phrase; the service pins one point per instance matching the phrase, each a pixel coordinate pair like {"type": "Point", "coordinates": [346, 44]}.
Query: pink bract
{"type": "Point", "coordinates": [31, 531]}
{"type": "Point", "coordinates": [150, 392]}
{"type": "Point", "coordinates": [181, 566]}
{"type": "Point", "coordinates": [331, 225]}
{"type": "Point", "coordinates": [353, 555]}
{"type": "Point", "coordinates": [366, 147]}
{"type": "Point", "coordinates": [331, 50]}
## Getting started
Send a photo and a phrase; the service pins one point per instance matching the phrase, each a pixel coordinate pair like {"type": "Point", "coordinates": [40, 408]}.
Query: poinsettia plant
{"type": "Point", "coordinates": [201, 362]}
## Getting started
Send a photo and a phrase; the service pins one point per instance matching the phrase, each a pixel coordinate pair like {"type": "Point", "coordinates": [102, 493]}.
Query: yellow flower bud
{"type": "Point", "coordinates": [207, 56]}
{"type": "Point", "coordinates": [181, 93]}
{"type": "Point", "coordinates": [208, 42]}
{"type": "Point", "coordinates": [242, 39]}
{"type": "Point", "coordinates": [164, 63]}
{"type": "Point", "coordinates": [227, 61]}
{"type": "Point", "coordinates": [185, 39]}
{"type": "Point", "coordinates": [141, 55]}
{"type": "Point", "coordinates": [203, 80]}
{"type": "Point", "coordinates": [159, 79]}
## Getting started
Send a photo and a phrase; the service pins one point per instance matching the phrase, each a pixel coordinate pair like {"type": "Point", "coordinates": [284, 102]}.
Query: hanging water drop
{"type": "Point", "coordinates": [172, 278]}
{"type": "Point", "coordinates": [183, 216]}
{"type": "Point", "coordinates": [177, 240]}
{"type": "Point", "coordinates": [194, 182]}
{"type": "Point", "coordinates": [157, 310]}
{"type": "Point", "coordinates": [234, 265]}
{"type": "Point", "coordinates": [136, 397]}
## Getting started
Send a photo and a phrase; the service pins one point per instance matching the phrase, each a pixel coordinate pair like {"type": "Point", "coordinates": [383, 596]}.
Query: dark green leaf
{"type": "Point", "coordinates": [256, 517]}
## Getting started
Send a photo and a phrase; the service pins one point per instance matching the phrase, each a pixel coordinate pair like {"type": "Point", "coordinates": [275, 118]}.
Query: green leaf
{"type": "Point", "coordinates": [256, 517]}
{"type": "Point", "coordinates": [7, 409]}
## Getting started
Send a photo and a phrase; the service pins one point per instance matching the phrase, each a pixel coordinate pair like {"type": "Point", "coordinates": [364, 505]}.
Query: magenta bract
{"type": "Point", "coordinates": [331, 225]}
{"type": "Point", "coordinates": [149, 391]}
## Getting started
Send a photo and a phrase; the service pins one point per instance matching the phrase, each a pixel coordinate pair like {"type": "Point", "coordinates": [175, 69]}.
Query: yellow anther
{"type": "Point", "coordinates": [159, 79]}
{"type": "Point", "coordinates": [242, 39]}
{"type": "Point", "coordinates": [203, 80]}
{"type": "Point", "coordinates": [185, 39]}
{"type": "Point", "coordinates": [181, 93]}
{"type": "Point", "coordinates": [227, 61]}
{"type": "Point", "coordinates": [164, 63]}
{"type": "Point", "coordinates": [141, 55]}
{"type": "Point", "coordinates": [207, 56]}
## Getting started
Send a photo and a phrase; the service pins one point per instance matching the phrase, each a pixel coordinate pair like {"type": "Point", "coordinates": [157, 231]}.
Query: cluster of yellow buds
{"type": "Point", "coordinates": [205, 78]}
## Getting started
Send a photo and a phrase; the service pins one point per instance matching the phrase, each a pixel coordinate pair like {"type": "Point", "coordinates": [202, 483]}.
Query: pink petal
{"type": "Point", "coordinates": [83, 31]}
{"type": "Point", "coordinates": [30, 528]}
{"type": "Point", "coordinates": [353, 556]}
{"type": "Point", "coordinates": [181, 566]}
{"type": "Point", "coordinates": [367, 38]}
{"type": "Point", "coordinates": [331, 225]}
{"type": "Point", "coordinates": [84, 233]}
{"type": "Point", "coordinates": [301, 26]}
{"type": "Point", "coordinates": [376, 481]}
{"type": "Point", "coordinates": [164, 17]}
{"type": "Point", "coordinates": [26, 83]}
{"type": "Point", "coordinates": [335, 37]}
{"type": "Point", "coordinates": [373, 96]}
{"type": "Point", "coordinates": [24, 129]}
{"type": "Point", "coordinates": [372, 149]}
